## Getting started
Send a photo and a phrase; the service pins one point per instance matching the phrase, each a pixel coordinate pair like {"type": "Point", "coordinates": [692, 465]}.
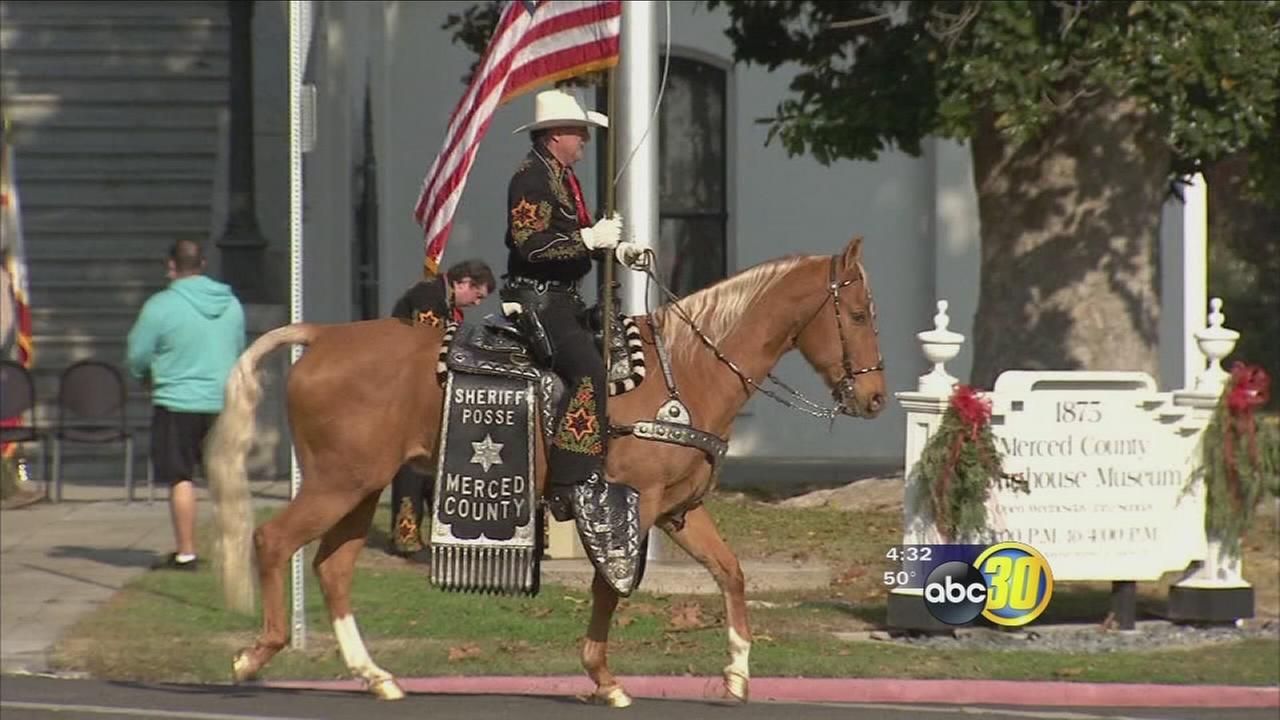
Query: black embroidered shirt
{"type": "Point", "coordinates": [544, 241]}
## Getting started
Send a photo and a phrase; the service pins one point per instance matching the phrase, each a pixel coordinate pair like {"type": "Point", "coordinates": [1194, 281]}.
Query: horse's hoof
{"type": "Point", "coordinates": [242, 668]}
{"type": "Point", "coordinates": [614, 697]}
{"type": "Point", "coordinates": [736, 684]}
{"type": "Point", "coordinates": [386, 689]}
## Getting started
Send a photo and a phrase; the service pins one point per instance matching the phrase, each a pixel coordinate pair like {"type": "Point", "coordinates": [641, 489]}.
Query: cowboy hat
{"type": "Point", "coordinates": [557, 108]}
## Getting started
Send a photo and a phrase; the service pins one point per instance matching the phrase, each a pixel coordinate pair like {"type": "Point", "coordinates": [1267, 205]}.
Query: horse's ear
{"type": "Point", "coordinates": [852, 252]}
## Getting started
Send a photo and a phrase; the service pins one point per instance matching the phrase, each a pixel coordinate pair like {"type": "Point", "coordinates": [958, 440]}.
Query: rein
{"type": "Point", "coordinates": [805, 405]}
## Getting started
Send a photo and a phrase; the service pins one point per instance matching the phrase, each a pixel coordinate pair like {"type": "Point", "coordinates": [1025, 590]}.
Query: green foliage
{"type": "Point", "coordinates": [1228, 514]}
{"type": "Point", "coordinates": [1209, 72]}
{"type": "Point", "coordinates": [957, 499]}
{"type": "Point", "coordinates": [473, 27]}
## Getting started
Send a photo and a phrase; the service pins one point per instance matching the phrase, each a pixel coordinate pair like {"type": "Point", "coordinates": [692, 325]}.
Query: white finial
{"type": "Point", "coordinates": [939, 345]}
{"type": "Point", "coordinates": [1216, 342]}
{"type": "Point", "coordinates": [1216, 318]}
{"type": "Point", "coordinates": [941, 320]}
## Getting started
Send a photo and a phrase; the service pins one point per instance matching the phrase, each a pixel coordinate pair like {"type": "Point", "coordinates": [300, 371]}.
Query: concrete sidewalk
{"type": "Point", "coordinates": [59, 562]}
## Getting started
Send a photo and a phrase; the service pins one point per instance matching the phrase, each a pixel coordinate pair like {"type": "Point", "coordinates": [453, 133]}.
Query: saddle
{"type": "Point", "coordinates": [485, 536]}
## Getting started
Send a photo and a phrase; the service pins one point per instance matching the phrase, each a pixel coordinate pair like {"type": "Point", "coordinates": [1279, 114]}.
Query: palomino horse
{"type": "Point", "coordinates": [365, 398]}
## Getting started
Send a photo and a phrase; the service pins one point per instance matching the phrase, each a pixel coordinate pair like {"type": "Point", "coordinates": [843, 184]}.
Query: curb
{"type": "Point", "coordinates": [841, 690]}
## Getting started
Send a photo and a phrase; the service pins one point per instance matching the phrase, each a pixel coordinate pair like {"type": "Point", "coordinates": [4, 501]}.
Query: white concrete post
{"type": "Point", "coordinates": [637, 154]}
{"type": "Point", "coordinates": [1195, 273]}
{"type": "Point", "coordinates": [925, 408]}
{"type": "Point", "coordinates": [1219, 570]}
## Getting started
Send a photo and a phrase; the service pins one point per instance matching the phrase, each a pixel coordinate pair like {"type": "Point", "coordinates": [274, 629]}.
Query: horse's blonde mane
{"type": "Point", "coordinates": [719, 309]}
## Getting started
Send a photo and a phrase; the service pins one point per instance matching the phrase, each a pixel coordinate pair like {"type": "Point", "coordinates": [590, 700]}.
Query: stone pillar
{"type": "Point", "coordinates": [242, 245]}
{"type": "Point", "coordinates": [1213, 590]}
{"type": "Point", "coordinates": [925, 408]}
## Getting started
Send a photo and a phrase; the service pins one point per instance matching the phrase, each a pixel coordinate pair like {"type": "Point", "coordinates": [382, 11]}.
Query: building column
{"type": "Point", "coordinates": [242, 244]}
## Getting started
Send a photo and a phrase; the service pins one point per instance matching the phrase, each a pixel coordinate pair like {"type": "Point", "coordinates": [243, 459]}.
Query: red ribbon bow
{"type": "Point", "coordinates": [974, 410]}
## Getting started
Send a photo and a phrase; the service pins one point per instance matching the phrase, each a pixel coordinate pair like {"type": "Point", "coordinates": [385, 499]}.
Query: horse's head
{"type": "Point", "coordinates": [839, 339]}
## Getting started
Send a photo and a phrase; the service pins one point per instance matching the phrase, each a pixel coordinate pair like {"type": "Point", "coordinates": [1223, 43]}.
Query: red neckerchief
{"type": "Point", "coordinates": [448, 300]}
{"type": "Point", "coordinates": [584, 215]}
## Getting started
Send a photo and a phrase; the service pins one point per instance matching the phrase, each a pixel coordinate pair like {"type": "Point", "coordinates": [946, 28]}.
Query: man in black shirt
{"type": "Point", "coordinates": [432, 302]}
{"type": "Point", "coordinates": [437, 301]}
{"type": "Point", "coordinates": [550, 240]}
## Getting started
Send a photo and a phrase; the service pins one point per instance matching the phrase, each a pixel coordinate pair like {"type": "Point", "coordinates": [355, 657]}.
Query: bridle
{"type": "Point", "coordinates": [850, 376]}
{"type": "Point", "coordinates": [844, 386]}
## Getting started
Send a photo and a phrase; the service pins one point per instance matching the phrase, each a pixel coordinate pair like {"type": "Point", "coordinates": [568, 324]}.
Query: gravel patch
{"type": "Point", "coordinates": [1147, 635]}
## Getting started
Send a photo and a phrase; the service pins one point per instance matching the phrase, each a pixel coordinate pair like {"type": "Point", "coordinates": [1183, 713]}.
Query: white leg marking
{"type": "Point", "coordinates": [354, 652]}
{"type": "Point", "coordinates": [739, 651]}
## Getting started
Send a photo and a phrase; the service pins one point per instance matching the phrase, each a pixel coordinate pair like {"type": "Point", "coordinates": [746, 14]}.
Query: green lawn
{"type": "Point", "coordinates": [170, 625]}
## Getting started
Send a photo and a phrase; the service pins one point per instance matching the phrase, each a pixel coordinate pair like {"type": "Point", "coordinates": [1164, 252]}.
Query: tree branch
{"type": "Point", "coordinates": [1071, 11]}
{"type": "Point", "coordinates": [950, 26]}
{"type": "Point", "coordinates": [856, 22]}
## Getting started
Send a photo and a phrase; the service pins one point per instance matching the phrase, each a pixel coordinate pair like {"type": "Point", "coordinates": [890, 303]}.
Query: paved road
{"type": "Point", "coordinates": [44, 698]}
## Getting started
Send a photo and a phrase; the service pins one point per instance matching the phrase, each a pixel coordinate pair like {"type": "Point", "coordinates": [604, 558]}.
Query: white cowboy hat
{"type": "Point", "coordinates": [557, 108]}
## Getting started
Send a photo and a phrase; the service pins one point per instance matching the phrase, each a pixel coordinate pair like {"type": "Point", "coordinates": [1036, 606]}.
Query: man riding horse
{"type": "Point", "coordinates": [550, 241]}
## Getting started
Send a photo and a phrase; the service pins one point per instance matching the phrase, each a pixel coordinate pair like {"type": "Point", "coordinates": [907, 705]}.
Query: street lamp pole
{"type": "Point", "coordinates": [242, 244]}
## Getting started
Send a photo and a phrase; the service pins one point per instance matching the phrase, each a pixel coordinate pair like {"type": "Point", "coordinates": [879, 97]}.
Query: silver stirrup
{"type": "Point", "coordinates": [608, 519]}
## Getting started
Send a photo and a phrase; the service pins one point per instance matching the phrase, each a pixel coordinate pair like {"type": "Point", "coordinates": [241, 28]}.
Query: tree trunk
{"type": "Point", "coordinates": [1070, 236]}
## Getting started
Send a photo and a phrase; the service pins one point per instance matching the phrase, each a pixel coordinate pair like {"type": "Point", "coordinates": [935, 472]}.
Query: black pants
{"type": "Point", "coordinates": [411, 494]}
{"type": "Point", "coordinates": [577, 446]}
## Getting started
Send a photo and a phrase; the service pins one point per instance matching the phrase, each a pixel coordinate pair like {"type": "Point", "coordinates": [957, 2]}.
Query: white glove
{"type": "Point", "coordinates": [631, 255]}
{"type": "Point", "coordinates": [604, 234]}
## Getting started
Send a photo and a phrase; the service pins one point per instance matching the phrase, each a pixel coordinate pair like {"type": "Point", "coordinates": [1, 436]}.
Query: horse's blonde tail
{"type": "Point", "coordinates": [225, 452]}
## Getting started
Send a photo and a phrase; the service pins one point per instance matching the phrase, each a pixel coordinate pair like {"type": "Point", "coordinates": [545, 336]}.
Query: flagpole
{"type": "Point", "coordinates": [610, 199]}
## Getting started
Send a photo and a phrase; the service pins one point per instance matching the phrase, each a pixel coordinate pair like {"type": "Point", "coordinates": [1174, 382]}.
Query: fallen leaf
{"type": "Point", "coordinates": [644, 609]}
{"type": "Point", "coordinates": [1069, 671]}
{"type": "Point", "coordinates": [575, 601]}
{"type": "Point", "coordinates": [624, 621]}
{"type": "Point", "coordinates": [462, 652]}
{"type": "Point", "coordinates": [540, 612]}
{"type": "Point", "coordinates": [686, 616]}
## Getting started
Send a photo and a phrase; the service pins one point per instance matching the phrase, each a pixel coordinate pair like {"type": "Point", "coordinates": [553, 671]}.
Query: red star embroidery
{"type": "Point", "coordinates": [580, 422]}
{"type": "Point", "coordinates": [524, 214]}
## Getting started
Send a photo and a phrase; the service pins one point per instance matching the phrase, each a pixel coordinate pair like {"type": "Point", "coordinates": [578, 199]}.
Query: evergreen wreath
{"type": "Point", "coordinates": [958, 466]}
{"type": "Point", "coordinates": [1239, 456]}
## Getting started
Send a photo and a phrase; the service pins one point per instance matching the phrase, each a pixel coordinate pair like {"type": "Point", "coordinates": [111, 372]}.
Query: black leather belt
{"type": "Point", "coordinates": [541, 286]}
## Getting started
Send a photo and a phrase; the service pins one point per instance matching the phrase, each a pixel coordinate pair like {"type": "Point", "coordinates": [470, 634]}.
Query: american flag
{"type": "Point", "coordinates": [17, 302]}
{"type": "Point", "coordinates": [535, 43]}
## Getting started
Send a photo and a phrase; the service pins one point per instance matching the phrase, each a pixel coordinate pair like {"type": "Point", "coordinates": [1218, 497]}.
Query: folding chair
{"type": "Point", "coordinates": [18, 407]}
{"type": "Point", "coordinates": [91, 409]}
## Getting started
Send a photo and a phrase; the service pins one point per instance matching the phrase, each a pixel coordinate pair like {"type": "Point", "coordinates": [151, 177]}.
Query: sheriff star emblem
{"type": "Point", "coordinates": [487, 453]}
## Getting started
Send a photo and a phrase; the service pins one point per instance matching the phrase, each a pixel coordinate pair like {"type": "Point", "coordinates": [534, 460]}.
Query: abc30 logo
{"type": "Point", "coordinates": [1009, 584]}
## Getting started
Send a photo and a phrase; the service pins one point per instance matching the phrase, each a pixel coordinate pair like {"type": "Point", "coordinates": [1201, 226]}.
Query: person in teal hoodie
{"type": "Point", "coordinates": [183, 346]}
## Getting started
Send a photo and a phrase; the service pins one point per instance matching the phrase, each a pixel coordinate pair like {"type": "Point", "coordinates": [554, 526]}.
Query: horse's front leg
{"type": "Point", "coordinates": [595, 649]}
{"type": "Point", "coordinates": [700, 538]}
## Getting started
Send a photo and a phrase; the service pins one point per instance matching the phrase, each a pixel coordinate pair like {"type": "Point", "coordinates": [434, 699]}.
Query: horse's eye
{"type": "Point", "coordinates": [860, 317]}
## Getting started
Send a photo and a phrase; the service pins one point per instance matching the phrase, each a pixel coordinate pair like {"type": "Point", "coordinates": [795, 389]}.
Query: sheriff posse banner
{"type": "Point", "coordinates": [484, 529]}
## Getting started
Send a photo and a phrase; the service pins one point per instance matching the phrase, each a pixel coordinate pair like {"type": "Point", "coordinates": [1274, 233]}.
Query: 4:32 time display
{"type": "Point", "coordinates": [910, 553]}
